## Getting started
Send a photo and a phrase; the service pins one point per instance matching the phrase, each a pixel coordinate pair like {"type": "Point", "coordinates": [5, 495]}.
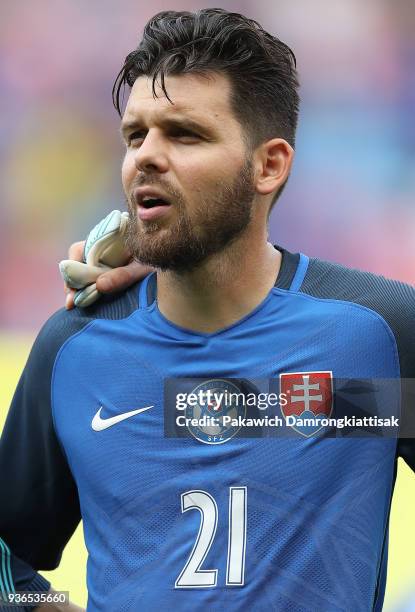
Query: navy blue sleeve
{"type": "Point", "coordinates": [39, 509]}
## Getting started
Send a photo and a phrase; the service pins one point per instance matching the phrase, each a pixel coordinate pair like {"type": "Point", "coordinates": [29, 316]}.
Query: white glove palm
{"type": "Point", "coordinates": [104, 249]}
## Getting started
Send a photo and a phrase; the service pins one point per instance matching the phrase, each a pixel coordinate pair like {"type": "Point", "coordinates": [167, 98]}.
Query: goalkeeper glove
{"type": "Point", "coordinates": [104, 249]}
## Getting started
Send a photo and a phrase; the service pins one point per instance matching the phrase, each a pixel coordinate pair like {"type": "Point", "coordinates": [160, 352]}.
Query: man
{"type": "Point", "coordinates": [297, 521]}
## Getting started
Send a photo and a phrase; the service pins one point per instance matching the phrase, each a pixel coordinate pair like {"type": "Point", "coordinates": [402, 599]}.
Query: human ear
{"type": "Point", "coordinates": [273, 164]}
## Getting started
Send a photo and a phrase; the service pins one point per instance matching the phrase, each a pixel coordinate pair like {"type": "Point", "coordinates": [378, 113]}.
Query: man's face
{"type": "Point", "coordinates": [193, 156]}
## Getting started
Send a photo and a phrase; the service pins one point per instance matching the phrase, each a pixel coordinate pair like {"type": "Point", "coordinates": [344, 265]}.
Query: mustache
{"type": "Point", "coordinates": [141, 180]}
{"type": "Point", "coordinates": [150, 181]}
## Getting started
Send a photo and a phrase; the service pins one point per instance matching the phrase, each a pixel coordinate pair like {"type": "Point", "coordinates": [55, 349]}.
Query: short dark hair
{"type": "Point", "coordinates": [260, 67]}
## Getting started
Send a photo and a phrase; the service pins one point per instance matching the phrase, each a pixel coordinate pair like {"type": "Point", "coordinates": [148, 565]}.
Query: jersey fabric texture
{"type": "Point", "coordinates": [298, 524]}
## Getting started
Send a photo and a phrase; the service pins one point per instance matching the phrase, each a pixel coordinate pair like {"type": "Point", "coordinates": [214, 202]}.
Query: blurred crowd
{"type": "Point", "coordinates": [350, 196]}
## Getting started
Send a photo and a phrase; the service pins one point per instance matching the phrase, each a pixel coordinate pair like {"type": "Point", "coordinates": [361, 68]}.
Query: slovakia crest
{"type": "Point", "coordinates": [309, 400]}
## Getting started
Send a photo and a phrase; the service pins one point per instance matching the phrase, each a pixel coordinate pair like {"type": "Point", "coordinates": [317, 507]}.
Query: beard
{"type": "Point", "coordinates": [215, 222]}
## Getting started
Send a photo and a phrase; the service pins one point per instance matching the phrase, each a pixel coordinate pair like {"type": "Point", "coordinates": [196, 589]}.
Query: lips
{"type": "Point", "coordinates": [148, 197]}
{"type": "Point", "coordinates": [151, 203]}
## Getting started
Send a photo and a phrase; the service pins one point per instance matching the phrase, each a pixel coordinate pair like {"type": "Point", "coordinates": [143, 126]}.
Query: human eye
{"type": "Point", "coordinates": [136, 138]}
{"type": "Point", "coordinates": [184, 134]}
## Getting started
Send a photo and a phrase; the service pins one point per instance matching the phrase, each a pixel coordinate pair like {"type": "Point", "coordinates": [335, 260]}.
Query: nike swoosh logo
{"type": "Point", "coordinates": [98, 424]}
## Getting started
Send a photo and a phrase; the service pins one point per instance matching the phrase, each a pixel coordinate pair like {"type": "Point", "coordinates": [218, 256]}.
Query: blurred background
{"type": "Point", "coordinates": [349, 198]}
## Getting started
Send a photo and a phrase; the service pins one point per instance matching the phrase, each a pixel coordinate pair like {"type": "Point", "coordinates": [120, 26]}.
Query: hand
{"type": "Point", "coordinates": [96, 265]}
{"type": "Point", "coordinates": [108, 282]}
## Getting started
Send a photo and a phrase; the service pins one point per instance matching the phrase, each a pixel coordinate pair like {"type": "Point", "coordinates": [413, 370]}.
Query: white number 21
{"type": "Point", "coordinates": [191, 576]}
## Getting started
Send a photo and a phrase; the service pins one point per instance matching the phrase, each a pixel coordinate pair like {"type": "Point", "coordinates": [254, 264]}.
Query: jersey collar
{"type": "Point", "coordinates": [290, 276]}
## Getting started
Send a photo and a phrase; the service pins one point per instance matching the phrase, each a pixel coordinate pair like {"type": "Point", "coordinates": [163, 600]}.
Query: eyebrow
{"type": "Point", "coordinates": [186, 123]}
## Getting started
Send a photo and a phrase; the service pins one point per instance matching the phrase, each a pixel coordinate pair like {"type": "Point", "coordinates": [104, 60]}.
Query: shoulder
{"type": "Point", "coordinates": [65, 323]}
{"type": "Point", "coordinates": [392, 300]}
{"type": "Point", "coordinates": [331, 280]}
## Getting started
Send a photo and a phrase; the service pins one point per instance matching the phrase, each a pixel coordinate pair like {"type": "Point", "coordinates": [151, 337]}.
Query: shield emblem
{"type": "Point", "coordinates": [309, 398]}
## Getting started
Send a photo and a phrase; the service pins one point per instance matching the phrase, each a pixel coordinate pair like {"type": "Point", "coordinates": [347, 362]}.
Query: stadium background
{"type": "Point", "coordinates": [349, 199]}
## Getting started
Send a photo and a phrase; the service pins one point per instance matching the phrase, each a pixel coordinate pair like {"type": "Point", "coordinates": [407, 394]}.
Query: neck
{"type": "Point", "coordinates": [223, 289]}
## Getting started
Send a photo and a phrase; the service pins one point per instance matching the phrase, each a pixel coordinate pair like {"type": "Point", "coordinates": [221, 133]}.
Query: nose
{"type": "Point", "coordinates": [151, 156]}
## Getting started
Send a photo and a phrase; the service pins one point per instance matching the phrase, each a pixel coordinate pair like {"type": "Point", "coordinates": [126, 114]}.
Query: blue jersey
{"type": "Point", "coordinates": [210, 520]}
